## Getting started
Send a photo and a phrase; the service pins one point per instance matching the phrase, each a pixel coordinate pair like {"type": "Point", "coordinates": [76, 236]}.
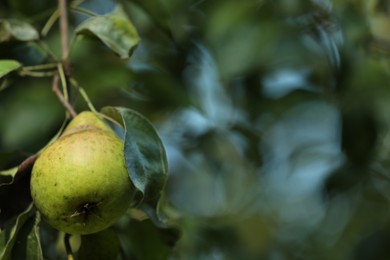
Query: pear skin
{"type": "Point", "coordinates": [80, 183]}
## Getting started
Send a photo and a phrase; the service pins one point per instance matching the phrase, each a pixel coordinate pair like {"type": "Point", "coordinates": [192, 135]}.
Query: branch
{"type": "Point", "coordinates": [61, 97]}
{"type": "Point", "coordinates": [64, 33]}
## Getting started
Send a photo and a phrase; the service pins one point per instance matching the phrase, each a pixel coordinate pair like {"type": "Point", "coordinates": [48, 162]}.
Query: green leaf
{"type": "Point", "coordinates": [22, 240]}
{"type": "Point", "coordinates": [28, 244]}
{"type": "Point", "coordinates": [114, 30]}
{"type": "Point", "coordinates": [146, 241]}
{"type": "Point", "coordinates": [145, 156]}
{"type": "Point", "coordinates": [157, 11]}
{"type": "Point", "coordinates": [7, 66]}
{"type": "Point", "coordinates": [101, 245]}
{"type": "Point", "coordinates": [18, 30]}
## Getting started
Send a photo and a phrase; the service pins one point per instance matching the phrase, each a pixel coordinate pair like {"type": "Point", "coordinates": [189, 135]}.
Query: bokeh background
{"type": "Point", "coordinates": [274, 116]}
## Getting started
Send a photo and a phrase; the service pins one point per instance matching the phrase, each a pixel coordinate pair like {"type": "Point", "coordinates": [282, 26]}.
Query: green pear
{"type": "Point", "coordinates": [80, 183]}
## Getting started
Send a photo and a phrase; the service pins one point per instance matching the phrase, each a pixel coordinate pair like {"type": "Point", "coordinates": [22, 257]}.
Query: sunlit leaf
{"type": "Point", "coordinates": [144, 156]}
{"type": "Point", "coordinates": [114, 30]}
{"type": "Point", "coordinates": [7, 66]}
{"type": "Point", "coordinates": [18, 30]}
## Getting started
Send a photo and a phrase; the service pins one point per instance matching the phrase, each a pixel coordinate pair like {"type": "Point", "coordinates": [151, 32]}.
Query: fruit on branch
{"type": "Point", "coordinates": [80, 183]}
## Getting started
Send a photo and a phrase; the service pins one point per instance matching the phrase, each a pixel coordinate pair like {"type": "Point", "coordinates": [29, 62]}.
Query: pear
{"type": "Point", "coordinates": [80, 183]}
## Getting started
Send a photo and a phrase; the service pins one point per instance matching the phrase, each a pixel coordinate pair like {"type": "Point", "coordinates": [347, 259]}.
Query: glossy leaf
{"type": "Point", "coordinates": [18, 30]}
{"type": "Point", "coordinates": [7, 66]}
{"type": "Point", "coordinates": [144, 155]}
{"type": "Point", "coordinates": [114, 30]}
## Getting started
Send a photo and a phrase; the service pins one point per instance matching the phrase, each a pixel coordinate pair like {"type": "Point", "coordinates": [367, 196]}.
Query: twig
{"type": "Point", "coordinates": [60, 96]}
{"type": "Point", "coordinates": [38, 74]}
{"type": "Point", "coordinates": [68, 248]}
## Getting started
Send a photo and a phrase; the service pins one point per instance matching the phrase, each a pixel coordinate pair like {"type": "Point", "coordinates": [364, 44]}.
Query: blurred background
{"type": "Point", "coordinates": [274, 116]}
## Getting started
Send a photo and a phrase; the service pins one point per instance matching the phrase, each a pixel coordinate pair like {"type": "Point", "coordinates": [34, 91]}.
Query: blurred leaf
{"type": "Point", "coordinates": [157, 12]}
{"type": "Point", "coordinates": [10, 159]}
{"type": "Point", "coordinates": [18, 30]}
{"type": "Point", "coordinates": [22, 238]}
{"type": "Point", "coordinates": [380, 26]}
{"type": "Point", "coordinates": [146, 241]}
{"type": "Point", "coordinates": [114, 30]}
{"type": "Point", "coordinates": [15, 196]}
{"type": "Point", "coordinates": [7, 66]}
{"type": "Point", "coordinates": [102, 245]}
{"type": "Point", "coordinates": [144, 156]}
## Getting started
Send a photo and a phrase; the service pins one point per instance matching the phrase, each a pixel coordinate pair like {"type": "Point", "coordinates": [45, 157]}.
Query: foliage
{"type": "Point", "coordinates": [272, 116]}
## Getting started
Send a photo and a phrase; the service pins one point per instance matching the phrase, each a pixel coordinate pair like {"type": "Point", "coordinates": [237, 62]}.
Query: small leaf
{"type": "Point", "coordinates": [15, 196]}
{"type": "Point", "coordinates": [114, 30]}
{"type": "Point", "coordinates": [7, 66]}
{"type": "Point", "coordinates": [18, 30]}
{"type": "Point", "coordinates": [101, 245]}
{"type": "Point", "coordinates": [144, 156]}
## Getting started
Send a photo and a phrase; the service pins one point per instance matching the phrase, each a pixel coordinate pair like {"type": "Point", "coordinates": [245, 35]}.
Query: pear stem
{"type": "Point", "coordinates": [68, 248]}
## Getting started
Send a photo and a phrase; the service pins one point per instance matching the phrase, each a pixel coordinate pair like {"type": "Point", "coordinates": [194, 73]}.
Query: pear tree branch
{"type": "Point", "coordinates": [61, 97]}
{"type": "Point", "coordinates": [64, 67]}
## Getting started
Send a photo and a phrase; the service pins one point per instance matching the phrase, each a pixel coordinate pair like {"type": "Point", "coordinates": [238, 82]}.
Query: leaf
{"type": "Point", "coordinates": [15, 196]}
{"type": "Point", "coordinates": [114, 30]}
{"type": "Point", "coordinates": [101, 245]}
{"type": "Point", "coordinates": [22, 241]}
{"type": "Point", "coordinates": [18, 30]}
{"type": "Point", "coordinates": [28, 244]}
{"type": "Point", "coordinates": [7, 66]}
{"type": "Point", "coordinates": [145, 156]}
{"type": "Point", "coordinates": [142, 236]}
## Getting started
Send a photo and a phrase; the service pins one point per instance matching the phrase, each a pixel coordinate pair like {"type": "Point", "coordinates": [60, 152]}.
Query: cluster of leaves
{"type": "Point", "coordinates": [273, 115]}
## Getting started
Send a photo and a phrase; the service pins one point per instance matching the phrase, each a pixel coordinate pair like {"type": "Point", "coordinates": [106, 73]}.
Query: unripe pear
{"type": "Point", "coordinates": [80, 183]}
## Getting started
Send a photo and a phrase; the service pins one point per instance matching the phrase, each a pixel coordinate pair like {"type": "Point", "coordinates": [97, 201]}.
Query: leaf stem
{"type": "Point", "coordinates": [41, 66]}
{"type": "Point", "coordinates": [83, 94]}
{"type": "Point", "coordinates": [50, 22]}
{"type": "Point", "coordinates": [82, 11]}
